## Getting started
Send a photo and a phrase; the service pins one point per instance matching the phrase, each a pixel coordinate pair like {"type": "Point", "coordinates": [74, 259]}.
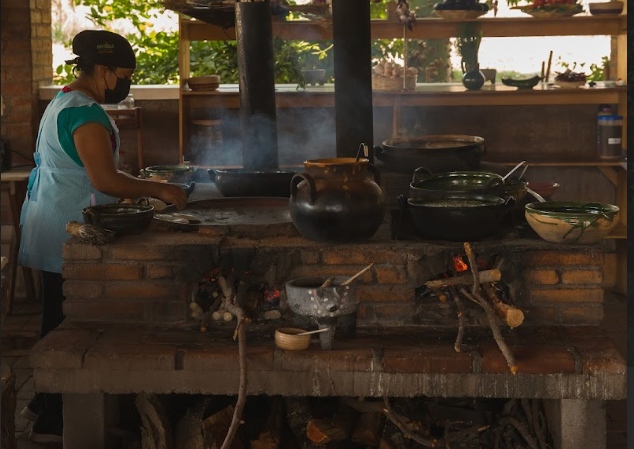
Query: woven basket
{"type": "Point", "coordinates": [393, 83]}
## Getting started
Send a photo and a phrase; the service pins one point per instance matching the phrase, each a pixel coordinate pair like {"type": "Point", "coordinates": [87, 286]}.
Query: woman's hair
{"type": "Point", "coordinates": [81, 65]}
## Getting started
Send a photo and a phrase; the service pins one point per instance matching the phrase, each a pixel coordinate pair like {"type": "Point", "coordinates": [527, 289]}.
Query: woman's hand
{"type": "Point", "coordinates": [173, 194]}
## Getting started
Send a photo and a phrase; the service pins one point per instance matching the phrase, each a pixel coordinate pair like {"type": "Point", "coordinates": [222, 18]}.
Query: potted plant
{"type": "Point", "coordinates": [468, 45]}
{"type": "Point", "coordinates": [312, 59]}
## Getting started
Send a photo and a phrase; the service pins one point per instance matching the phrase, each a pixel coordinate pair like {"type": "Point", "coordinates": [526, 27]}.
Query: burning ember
{"type": "Point", "coordinates": [459, 264]}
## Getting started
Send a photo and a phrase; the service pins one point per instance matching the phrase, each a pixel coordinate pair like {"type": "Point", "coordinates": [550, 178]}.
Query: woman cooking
{"type": "Point", "coordinates": [76, 157]}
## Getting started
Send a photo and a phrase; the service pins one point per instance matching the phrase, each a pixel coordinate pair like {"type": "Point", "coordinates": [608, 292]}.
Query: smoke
{"type": "Point", "coordinates": [302, 134]}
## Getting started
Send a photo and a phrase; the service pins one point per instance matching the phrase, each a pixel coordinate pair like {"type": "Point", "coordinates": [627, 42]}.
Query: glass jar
{"type": "Point", "coordinates": [609, 131]}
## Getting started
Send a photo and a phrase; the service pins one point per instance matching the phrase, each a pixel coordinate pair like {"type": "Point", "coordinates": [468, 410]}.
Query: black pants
{"type": "Point", "coordinates": [52, 295]}
{"type": "Point", "coordinates": [52, 299]}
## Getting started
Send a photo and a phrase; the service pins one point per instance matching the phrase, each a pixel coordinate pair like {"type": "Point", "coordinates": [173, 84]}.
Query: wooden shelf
{"type": "Point", "coordinates": [618, 233]}
{"type": "Point", "coordinates": [288, 96]}
{"type": "Point", "coordinates": [552, 160]}
{"type": "Point", "coordinates": [432, 28]}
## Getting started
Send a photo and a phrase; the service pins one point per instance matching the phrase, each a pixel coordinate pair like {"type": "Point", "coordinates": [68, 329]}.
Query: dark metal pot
{"type": "Point", "coordinates": [239, 182]}
{"type": "Point", "coordinates": [459, 216]}
{"type": "Point", "coordinates": [438, 153]}
{"type": "Point", "coordinates": [427, 185]}
{"type": "Point", "coordinates": [169, 173]}
{"type": "Point", "coordinates": [124, 219]}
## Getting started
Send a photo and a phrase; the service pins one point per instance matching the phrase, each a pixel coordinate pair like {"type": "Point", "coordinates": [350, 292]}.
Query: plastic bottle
{"type": "Point", "coordinates": [127, 102]}
{"type": "Point", "coordinates": [609, 131]}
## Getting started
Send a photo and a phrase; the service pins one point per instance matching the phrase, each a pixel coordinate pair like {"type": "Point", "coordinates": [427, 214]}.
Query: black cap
{"type": "Point", "coordinates": [104, 47]}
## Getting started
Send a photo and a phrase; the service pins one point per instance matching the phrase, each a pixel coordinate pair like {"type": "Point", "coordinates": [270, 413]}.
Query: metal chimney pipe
{"type": "Point", "coordinates": [254, 38]}
{"type": "Point", "coordinates": [353, 75]}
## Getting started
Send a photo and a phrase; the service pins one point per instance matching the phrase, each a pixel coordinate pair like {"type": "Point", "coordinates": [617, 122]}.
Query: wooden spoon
{"type": "Point", "coordinates": [318, 331]}
{"type": "Point", "coordinates": [360, 273]}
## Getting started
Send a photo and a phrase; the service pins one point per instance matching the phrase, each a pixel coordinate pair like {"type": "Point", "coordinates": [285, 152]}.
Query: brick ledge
{"type": "Point", "coordinates": [571, 363]}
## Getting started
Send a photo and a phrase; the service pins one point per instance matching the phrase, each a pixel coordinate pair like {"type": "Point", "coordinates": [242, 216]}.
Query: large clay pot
{"type": "Point", "coordinates": [337, 200]}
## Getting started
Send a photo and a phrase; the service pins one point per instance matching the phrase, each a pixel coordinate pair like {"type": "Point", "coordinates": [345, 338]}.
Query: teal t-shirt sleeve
{"type": "Point", "coordinates": [72, 118]}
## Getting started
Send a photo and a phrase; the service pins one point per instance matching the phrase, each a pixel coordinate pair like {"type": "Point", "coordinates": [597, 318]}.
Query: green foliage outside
{"type": "Point", "coordinates": [157, 52]}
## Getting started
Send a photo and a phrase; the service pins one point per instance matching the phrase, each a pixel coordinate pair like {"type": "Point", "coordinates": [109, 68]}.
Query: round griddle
{"type": "Point", "coordinates": [237, 213]}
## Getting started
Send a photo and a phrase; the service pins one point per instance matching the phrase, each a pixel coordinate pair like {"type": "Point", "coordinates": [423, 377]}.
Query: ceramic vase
{"type": "Point", "coordinates": [473, 78]}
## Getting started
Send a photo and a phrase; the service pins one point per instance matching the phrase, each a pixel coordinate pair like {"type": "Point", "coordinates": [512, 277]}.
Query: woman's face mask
{"type": "Point", "coordinates": [119, 92]}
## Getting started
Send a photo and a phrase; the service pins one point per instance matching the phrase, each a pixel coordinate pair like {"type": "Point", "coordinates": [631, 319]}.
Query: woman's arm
{"type": "Point", "coordinates": [94, 148]}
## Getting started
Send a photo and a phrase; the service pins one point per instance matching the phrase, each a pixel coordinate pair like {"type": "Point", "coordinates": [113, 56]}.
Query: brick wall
{"type": "Point", "coordinates": [150, 278]}
{"type": "Point", "coordinates": [27, 60]}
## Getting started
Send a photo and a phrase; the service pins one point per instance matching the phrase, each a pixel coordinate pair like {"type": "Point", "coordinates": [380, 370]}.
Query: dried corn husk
{"type": "Point", "coordinates": [89, 233]}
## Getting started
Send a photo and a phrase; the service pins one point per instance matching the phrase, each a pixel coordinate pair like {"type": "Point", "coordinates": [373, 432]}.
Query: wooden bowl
{"type": "Point", "coordinates": [611, 7]}
{"type": "Point", "coordinates": [287, 338]}
{"type": "Point", "coordinates": [209, 82]}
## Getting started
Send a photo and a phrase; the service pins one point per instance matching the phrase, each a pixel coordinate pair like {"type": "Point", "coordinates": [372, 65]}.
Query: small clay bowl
{"type": "Point", "coordinates": [287, 338]}
{"type": "Point", "coordinates": [545, 189]}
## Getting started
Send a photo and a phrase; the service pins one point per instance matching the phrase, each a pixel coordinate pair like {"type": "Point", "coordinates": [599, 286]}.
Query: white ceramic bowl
{"type": "Point", "coordinates": [572, 222]}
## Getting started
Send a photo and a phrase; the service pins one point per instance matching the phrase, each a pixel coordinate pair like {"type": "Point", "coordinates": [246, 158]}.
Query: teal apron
{"type": "Point", "coordinates": [58, 190]}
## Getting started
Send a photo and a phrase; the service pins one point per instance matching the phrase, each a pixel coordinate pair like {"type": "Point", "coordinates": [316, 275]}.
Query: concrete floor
{"type": "Point", "coordinates": [20, 329]}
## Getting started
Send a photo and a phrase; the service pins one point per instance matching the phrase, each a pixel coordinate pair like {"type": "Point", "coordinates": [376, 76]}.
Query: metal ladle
{"type": "Point", "coordinates": [523, 163]}
{"type": "Point", "coordinates": [535, 195]}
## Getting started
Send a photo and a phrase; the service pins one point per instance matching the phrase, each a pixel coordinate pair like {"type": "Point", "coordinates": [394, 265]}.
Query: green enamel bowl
{"type": "Point", "coordinates": [572, 222]}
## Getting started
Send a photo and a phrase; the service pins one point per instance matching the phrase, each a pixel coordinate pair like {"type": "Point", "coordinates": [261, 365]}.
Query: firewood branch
{"type": "Point", "coordinates": [409, 433]}
{"type": "Point", "coordinates": [460, 310]}
{"type": "Point", "coordinates": [520, 427]}
{"type": "Point", "coordinates": [511, 315]}
{"type": "Point", "coordinates": [495, 329]}
{"type": "Point", "coordinates": [486, 276]}
{"type": "Point", "coordinates": [473, 265]}
{"type": "Point", "coordinates": [476, 297]}
{"type": "Point", "coordinates": [242, 389]}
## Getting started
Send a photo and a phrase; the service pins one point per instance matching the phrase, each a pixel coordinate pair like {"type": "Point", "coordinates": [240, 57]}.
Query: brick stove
{"type": "Point", "coordinates": [128, 329]}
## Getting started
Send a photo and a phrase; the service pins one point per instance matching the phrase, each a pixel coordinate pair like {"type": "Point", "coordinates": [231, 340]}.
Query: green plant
{"type": "Point", "coordinates": [313, 55]}
{"type": "Point", "coordinates": [157, 51]}
{"type": "Point", "coordinates": [468, 42]}
{"type": "Point", "coordinates": [600, 72]}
